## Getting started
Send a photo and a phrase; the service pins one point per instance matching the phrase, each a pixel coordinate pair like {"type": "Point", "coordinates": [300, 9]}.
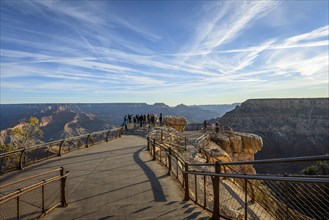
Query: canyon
{"type": "Point", "coordinates": [288, 127]}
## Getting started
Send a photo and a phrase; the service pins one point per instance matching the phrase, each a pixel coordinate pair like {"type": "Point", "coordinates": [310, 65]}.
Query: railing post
{"type": "Point", "coordinates": [21, 167]}
{"type": "Point", "coordinates": [120, 131]}
{"type": "Point", "coordinates": [87, 142]}
{"type": "Point", "coordinates": [161, 135]}
{"type": "Point", "coordinates": [107, 136]}
{"type": "Point", "coordinates": [48, 151]}
{"type": "Point", "coordinates": [60, 150]}
{"type": "Point", "coordinates": [185, 141]}
{"type": "Point", "coordinates": [43, 197]}
{"type": "Point", "coordinates": [2, 170]}
{"type": "Point", "coordinates": [185, 176]}
{"type": "Point", "coordinates": [169, 160]}
{"type": "Point", "coordinates": [245, 199]}
{"type": "Point", "coordinates": [148, 144]}
{"type": "Point", "coordinates": [154, 149]}
{"type": "Point", "coordinates": [35, 155]}
{"type": "Point", "coordinates": [204, 192]}
{"type": "Point", "coordinates": [216, 182]}
{"type": "Point", "coordinates": [63, 183]}
{"type": "Point", "coordinates": [287, 197]}
{"type": "Point", "coordinates": [18, 211]}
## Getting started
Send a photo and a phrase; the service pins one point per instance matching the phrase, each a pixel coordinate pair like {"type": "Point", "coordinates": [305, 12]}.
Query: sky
{"type": "Point", "coordinates": [191, 52]}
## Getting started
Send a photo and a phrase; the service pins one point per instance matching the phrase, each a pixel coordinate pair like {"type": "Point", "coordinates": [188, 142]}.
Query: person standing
{"type": "Point", "coordinates": [141, 121]}
{"type": "Point", "coordinates": [217, 127]}
{"type": "Point", "coordinates": [135, 121]}
{"type": "Point", "coordinates": [160, 119]}
{"type": "Point", "coordinates": [205, 123]}
{"type": "Point", "coordinates": [125, 122]}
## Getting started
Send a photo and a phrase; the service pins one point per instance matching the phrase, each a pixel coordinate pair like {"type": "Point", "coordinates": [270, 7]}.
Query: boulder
{"type": "Point", "coordinates": [176, 122]}
{"type": "Point", "coordinates": [237, 147]}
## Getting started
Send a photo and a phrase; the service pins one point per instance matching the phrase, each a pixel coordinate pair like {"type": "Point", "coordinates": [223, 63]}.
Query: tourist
{"type": "Point", "coordinates": [141, 121]}
{"type": "Point", "coordinates": [205, 123]}
{"type": "Point", "coordinates": [217, 127]}
{"type": "Point", "coordinates": [153, 119]}
{"type": "Point", "coordinates": [148, 119]}
{"type": "Point", "coordinates": [135, 121]}
{"type": "Point", "coordinates": [125, 122]}
{"type": "Point", "coordinates": [160, 119]}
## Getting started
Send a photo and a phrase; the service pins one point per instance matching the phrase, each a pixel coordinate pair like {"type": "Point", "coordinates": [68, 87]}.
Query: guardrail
{"type": "Point", "coordinates": [194, 127]}
{"type": "Point", "coordinates": [18, 159]}
{"type": "Point", "coordinates": [182, 140]}
{"type": "Point", "coordinates": [167, 157]}
{"type": "Point", "coordinates": [200, 127]}
{"type": "Point", "coordinates": [35, 200]}
{"type": "Point", "coordinates": [219, 189]}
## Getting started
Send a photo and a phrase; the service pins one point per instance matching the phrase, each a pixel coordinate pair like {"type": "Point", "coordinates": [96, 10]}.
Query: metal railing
{"type": "Point", "coordinates": [180, 140]}
{"type": "Point", "coordinates": [35, 200]}
{"type": "Point", "coordinates": [18, 159]}
{"type": "Point", "coordinates": [273, 195]}
{"type": "Point", "coordinates": [228, 194]}
{"type": "Point", "coordinates": [198, 127]}
{"type": "Point", "coordinates": [287, 198]}
{"type": "Point", "coordinates": [194, 127]}
{"type": "Point", "coordinates": [168, 157]}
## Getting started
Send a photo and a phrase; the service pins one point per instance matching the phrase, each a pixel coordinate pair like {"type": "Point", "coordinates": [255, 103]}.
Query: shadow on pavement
{"type": "Point", "coordinates": [156, 186]}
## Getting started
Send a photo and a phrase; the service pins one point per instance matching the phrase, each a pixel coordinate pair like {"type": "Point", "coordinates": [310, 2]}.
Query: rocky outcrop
{"type": "Point", "coordinates": [231, 146]}
{"type": "Point", "coordinates": [288, 127]}
{"type": "Point", "coordinates": [176, 122]}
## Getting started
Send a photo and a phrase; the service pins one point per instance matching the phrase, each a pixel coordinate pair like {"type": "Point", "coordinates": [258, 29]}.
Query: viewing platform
{"type": "Point", "coordinates": [116, 180]}
{"type": "Point", "coordinates": [167, 175]}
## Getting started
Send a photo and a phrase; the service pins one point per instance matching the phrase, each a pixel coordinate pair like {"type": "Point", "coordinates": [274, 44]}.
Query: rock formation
{"type": "Point", "coordinates": [232, 146]}
{"type": "Point", "coordinates": [226, 146]}
{"type": "Point", "coordinates": [288, 127]}
{"type": "Point", "coordinates": [58, 122]}
{"type": "Point", "coordinates": [176, 122]}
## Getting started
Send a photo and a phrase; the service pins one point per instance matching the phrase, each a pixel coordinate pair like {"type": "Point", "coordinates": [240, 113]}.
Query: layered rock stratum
{"type": "Point", "coordinates": [288, 127]}
{"type": "Point", "coordinates": [229, 146]}
{"type": "Point", "coordinates": [58, 122]}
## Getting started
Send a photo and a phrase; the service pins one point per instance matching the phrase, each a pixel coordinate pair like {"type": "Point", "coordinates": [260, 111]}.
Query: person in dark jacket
{"type": "Point", "coordinates": [141, 120]}
{"type": "Point", "coordinates": [160, 119]}
{"type": "Point", "coordinates": [205, 123]}
{"type": "Point", "coordinates": [217, 127]}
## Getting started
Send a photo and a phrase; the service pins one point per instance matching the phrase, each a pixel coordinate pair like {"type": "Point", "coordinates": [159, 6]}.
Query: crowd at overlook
{"type": "Point", "coordinates": [142, 120]}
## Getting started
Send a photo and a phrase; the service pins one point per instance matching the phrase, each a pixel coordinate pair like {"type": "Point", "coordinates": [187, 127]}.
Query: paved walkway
{"type": "Point", "coordinates": [116, 180]}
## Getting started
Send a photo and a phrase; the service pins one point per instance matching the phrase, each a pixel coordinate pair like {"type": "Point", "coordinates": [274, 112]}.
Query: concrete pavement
{"type": "Point", "coordinates": [116, 180]}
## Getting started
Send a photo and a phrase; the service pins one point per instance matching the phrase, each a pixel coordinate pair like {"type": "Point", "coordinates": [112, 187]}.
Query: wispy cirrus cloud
{"type": "Point", "coordinates": [225, 23]}
{"type": "Point", "coordinates": [99, 51]}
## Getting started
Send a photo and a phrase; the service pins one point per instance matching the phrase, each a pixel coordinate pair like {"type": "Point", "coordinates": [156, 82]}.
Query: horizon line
{"type": "Point", "coordinates": [59, 103]}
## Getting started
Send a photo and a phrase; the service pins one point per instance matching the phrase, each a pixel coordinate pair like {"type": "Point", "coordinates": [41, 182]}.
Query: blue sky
{"type": "Point", "coordinates": [191, 52]}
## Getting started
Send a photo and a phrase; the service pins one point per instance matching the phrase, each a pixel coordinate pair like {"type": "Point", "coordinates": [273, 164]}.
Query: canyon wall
{"type": "Point", "coordinates": [288, 127]}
